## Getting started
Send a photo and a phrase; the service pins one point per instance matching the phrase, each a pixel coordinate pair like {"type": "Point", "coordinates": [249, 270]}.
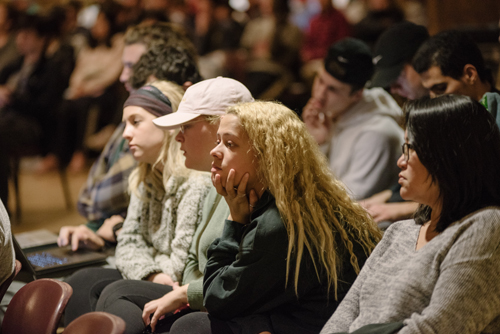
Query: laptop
{"type": "Point", "coordinates": [54, 261]}
{"type": "Point", "coordinates": [37, 238]}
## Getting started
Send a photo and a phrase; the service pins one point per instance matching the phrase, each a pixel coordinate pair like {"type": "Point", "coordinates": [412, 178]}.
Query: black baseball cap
{"type": "Point", "coordinates": [396, 47]}
{"type": "Point", "coordinates": [350, 61]}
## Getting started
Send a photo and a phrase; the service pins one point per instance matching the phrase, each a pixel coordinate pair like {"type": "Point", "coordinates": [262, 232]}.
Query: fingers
{"type": "Point", "coordinates": [230, 183]}
{"type": "Point", "coordinates": [242, 187]}
{"type": "Point", "coordinates": [148, 309]}
{"type": "Point", "coordinates": [252, 199]}
{"type": "Point", "coordinates": [154, 320]}
{"type": "Point", "coordinates": [75, 241]}
{"type": "Point", "coordinates": [64, 235]}
{"type": "Point", "coordinates": [218, 186]}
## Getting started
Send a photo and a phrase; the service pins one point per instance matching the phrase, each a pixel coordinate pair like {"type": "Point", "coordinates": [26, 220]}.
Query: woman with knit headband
{"type": "Point", "coordinates": [165, 206]}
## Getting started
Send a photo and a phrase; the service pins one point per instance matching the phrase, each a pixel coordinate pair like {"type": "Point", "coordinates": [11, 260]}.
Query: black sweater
{"type": "Point", "coordinates": [245, 278]}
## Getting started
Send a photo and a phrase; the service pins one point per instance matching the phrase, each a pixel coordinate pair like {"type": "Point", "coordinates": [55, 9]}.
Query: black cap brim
{"type": "Point", "coordinates": [384, 77]}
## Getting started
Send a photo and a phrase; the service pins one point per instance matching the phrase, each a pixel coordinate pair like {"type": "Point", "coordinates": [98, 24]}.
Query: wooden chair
{"type": "Point", "coordinates": [5, 285]}
{"type": "Point", "coordinates": [96, 323]}
{"type": "Point", "coordinates": [15, 164]}
{"type": "Point", "coordinates": [37, 307]}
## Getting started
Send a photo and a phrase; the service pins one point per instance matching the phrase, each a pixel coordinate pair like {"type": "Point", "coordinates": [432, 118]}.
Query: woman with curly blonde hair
{"type": "Point", "coordinates": [294, 240]}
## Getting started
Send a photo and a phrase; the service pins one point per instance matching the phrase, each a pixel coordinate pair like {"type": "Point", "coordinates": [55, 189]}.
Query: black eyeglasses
{"type": "Point", "coordinates": [406, 150]}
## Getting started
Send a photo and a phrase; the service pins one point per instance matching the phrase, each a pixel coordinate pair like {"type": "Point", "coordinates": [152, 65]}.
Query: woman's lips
{"type": "Point", "coordinates": [215, 169]}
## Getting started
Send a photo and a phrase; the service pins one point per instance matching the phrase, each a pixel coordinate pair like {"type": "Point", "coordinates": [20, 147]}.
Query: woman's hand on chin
{"type": "Point", "coordinates": [174, 300]}
{"type": "Point", "coordinates": [240, 204]}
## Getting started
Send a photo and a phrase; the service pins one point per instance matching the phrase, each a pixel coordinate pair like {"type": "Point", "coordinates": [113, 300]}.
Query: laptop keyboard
{"type": "Point", "coordinates": [45, 259]}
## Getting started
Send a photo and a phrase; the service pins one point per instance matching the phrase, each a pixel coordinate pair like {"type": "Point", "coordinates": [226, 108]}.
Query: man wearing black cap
{"type": "Point", "coordinates": [357, 128]}
{"type": "Point", "coordinates": [393, 55]}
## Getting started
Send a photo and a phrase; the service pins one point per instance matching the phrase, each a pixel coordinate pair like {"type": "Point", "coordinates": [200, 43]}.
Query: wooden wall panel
{"type": "Point", "coordinates": [449, 14]}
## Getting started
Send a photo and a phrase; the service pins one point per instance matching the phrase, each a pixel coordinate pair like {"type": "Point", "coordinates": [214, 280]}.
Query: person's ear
{"type": "Point", "coordinates": [357, 95]}
{"type": "Point", "coordinates": [151, 78]}
{"type": "Point", "coordinates": [470, 75]}
{"type": "Point", "coordinates": [186, 85]}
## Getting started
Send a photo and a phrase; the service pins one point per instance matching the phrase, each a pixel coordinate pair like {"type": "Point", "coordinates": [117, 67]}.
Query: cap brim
{"type": "Point", "coordinates": [174, 120]}
{"type": "Point", "coordinates": [384, 77]}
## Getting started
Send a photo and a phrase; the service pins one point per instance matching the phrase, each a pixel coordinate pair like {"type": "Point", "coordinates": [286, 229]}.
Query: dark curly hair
{"type": "Point", "coordinates": [166, 62]}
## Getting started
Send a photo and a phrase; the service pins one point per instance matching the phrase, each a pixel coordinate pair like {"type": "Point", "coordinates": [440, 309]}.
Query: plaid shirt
{"type": "Point", "coordinates": [105, 192]}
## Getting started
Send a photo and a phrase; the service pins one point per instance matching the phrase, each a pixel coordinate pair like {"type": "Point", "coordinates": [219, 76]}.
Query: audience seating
{"type": "Point", "coordinates": [96, 323]}
{"type": "Point", "coordinates": [37, 307]}
{"type": "Point", "coordinates": [15, 162]}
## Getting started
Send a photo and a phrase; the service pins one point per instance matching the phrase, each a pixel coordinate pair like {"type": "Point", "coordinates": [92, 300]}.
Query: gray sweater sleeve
{"type": "Point", "coordinates": [448, 286]}
{"type": "Point", "coordinates": [466, 297]}
{"type": "Point", "coordinates": [348, 310]}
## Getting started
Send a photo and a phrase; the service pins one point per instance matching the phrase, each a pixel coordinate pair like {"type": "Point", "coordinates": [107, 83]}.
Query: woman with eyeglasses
{"type": "Point", "coordinates": [438, 272]}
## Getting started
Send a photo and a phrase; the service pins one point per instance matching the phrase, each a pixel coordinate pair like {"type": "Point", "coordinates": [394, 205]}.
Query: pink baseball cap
{"type": "Point", "coordinates": [207, 97]}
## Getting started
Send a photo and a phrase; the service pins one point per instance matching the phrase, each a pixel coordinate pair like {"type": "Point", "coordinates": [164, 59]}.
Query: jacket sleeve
{"type": "Point", "coordinates": [239, 278]}
{"type": "Point", "coordinates": [105, 192]}
{"type": "Point", "coordinates": [188, 216]}
{"type": "Point", "coordinates": [134, 255]}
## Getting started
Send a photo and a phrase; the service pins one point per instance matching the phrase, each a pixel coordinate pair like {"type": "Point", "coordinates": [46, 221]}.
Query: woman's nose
{"type": "Point", "coordinates": [215, 152]}
{"type": "Point", "coordinates": [127, 133]}
{"type": "Point", "coordinates": [179, 137]}
{"type": "Point", "coordinates": [402, 161]}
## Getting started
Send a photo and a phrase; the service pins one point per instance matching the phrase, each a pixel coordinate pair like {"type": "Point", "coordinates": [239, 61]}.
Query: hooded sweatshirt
{"type": "Point", "coordinates": [366, 144]}
{"type": "Point", "coordinates": [491, 101]}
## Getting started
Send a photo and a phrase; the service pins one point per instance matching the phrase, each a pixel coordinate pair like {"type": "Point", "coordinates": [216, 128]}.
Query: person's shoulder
{"type": "Point", "coordinates": [270, 221]}
{"type": "Point", "coordinates": [482, 223]}
{"type": "Point", "coordinates": [474, 237]}
{"type": "Point", "coordinates": [199, 179]}
{"type": "Point", "coordinates": [402, 227]}
{"type": "Point", "coordinates": [192, 182]}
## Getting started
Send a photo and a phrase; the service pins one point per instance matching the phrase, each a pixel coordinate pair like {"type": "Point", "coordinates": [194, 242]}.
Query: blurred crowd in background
{"type": "Point", "coordinates": [60, 63]}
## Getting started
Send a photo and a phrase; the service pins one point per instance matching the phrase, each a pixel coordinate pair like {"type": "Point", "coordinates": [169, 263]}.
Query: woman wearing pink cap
{"type": "Point", "coordinates": [164, 210]}
{"type": "Point", "coordinates": [198, 119]}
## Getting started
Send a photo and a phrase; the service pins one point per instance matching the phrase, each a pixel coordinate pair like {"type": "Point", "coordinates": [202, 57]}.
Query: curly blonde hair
{"type": "Point", "coordinates": [315, 207]}
{"type": "Point", "coordinates": [170, 158]}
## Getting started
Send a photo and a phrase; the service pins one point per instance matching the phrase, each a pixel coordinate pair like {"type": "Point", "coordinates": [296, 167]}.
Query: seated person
{"type": "Point", "coordinates": [285, 258]}
{"type": "Point", "coordinates": [165, 206]}
{"type": "Point", "coordinates": [104, 199]}
{"type": "Point", "coordinates": [448, 63]}
{"type": "Point", "coordinates": [356, 127]}
{"type": "Point", "coordinates": [198, 118]}
{"type": "Point", "coordinates": [451, 63]}
{"type": "Point", "coordinates": [31, 88]}
{"type": "Point", "coordinates": [393, 54]}
{"type": "Point", "coordinates": [438, 272]}
{"type": "Point", "coordinates": [93, 83]}
{"type": "Point", "coordinates": [7, 254]}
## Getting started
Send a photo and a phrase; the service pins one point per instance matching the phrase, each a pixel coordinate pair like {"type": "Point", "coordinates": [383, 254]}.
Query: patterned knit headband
{"type": "Point", "coordinates": [151, 99]}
